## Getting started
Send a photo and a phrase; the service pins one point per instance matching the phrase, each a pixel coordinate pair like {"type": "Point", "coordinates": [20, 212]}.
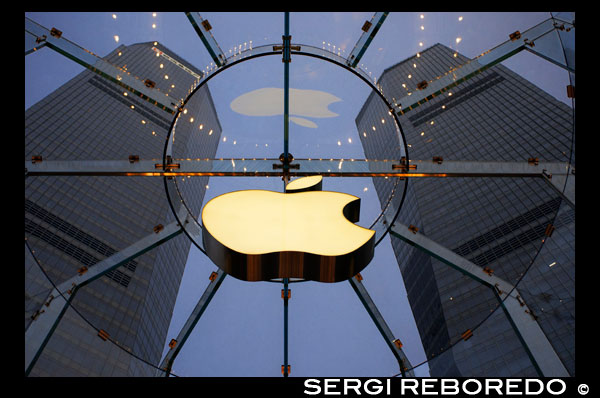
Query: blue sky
{"type": "Point", "coordinates": [330, 333]}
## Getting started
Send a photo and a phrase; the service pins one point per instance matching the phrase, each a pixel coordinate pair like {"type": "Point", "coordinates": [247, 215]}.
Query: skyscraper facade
{"type": "Point", "coordinates": [497, 223]}
{"type": "Point", "coordinates": [71, 222]}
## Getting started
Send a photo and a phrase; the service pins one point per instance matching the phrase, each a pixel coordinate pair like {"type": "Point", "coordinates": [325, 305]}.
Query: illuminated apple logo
{"type": "Point", "coordinates": [259, 235]}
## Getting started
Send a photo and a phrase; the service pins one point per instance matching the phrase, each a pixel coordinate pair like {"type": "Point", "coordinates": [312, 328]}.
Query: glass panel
{"type": "Point", "coordinates": [498, 114]}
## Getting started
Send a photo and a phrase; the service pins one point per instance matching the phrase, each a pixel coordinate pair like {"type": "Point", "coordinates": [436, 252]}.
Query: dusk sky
{"type": "Point", "coordinates": [330, 332]}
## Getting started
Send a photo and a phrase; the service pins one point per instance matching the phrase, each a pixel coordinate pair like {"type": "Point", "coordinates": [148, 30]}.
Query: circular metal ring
{"type": "Point", "coordinates": [330, 58]}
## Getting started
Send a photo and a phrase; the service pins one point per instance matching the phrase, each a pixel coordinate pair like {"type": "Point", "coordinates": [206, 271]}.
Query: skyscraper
{"type": "Point", "coordinates": [71, 222]}
{"type": "Point", "coordinates": [497, 223]}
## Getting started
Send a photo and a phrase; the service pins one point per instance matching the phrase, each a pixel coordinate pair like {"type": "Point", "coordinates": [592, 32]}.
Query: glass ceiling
{"type": "Point", "coordinates": [330, 332]}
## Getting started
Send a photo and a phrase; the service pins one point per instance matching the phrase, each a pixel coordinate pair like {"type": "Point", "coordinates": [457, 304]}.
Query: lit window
{"type": "Point", "coordinates": [420, 44]}
{"type": "Point", "coordinates": [350, 140]}
{"type": "Point", "coordinates": [339, 143]}
{"type": "Point", "coordinates": [201, 126]}
{"type": "Point", "coordinates": [119, 54]}
{"type": "Point", "coordinates": [116, 38]}
{"type": "Point", "coordinates": [153, 26]}
{"type": "Point", "coordinates": [373, 128]}
{"type": "Point", "coordinates": [191, 120]}
{"type": "Point", "coordinates": [167, 77]}
{"type": "Point", "coordinates": [364, 134]}
{"type": "Point", "coordinates": [382, 121]}
{"type": "Point", "coordinates": [125, 94]}
{"type": "Point", "coordinates": [172, 86]}
{"type": "Point", "coordinates": [422, 16]}
{"type": "Point", "coordinates": [132, 106]}
{"type": "Point", "coordinates": [161, 66]}
{"type": "Point", "coordinates": [458, 40]}
{"type": "Point", "coordinates": [154, 15]}
{"type": "Point", "coordinates": [210, 132]}
{"type": "Point", "coordinates": [143, 122]}
{"type": "Point", "coordinates": [224, 139]}
{"type": "Point", "coordinates": [460, 18]}
{"type": "Point", "coordinates": [422, 133]}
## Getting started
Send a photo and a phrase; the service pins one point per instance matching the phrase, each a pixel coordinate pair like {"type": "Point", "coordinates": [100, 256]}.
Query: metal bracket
{"type": "Point", "coordinates": [403, 166]}
{"type": "Point", "coordinates": [103, 334]}
{"type": "Point", "coordinates": [149, 83]}
{"type": "Point", "coordinates": [533, 161]}
{"type": "Point", "coordinates": [422, 85]}
{"type": "Point", "coordinates": [47, 303]}
{"type": "Point", "coordinates": [286, 163]}
{"type": "Point", "coordinates": [467, 334]}
{"type": "Point", "coordinates": [168, 166]}
{"type": "Point", "coordinates": [56, 33]}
